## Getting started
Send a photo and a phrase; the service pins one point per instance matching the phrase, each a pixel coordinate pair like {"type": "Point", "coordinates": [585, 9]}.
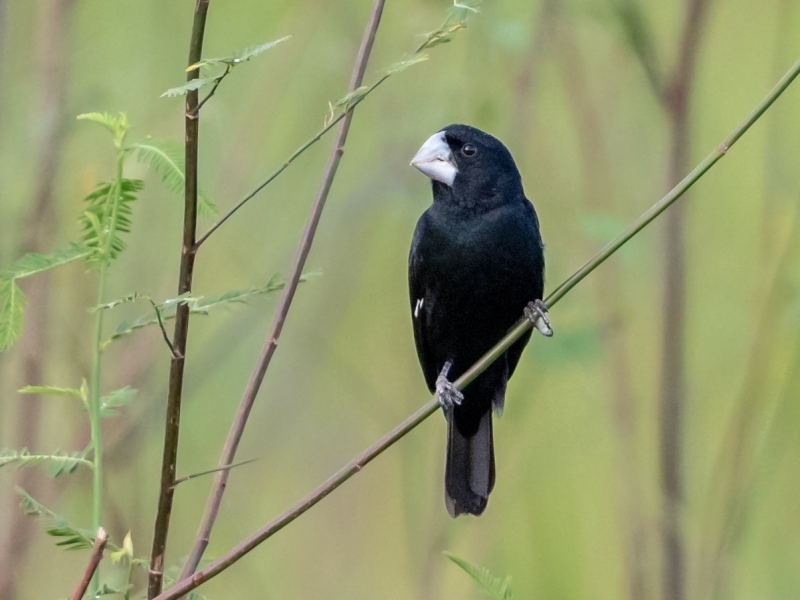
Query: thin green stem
{"type": "Point", "coordinates": [94, 415]}
{"type": "Point", "coordinates": [356, 465]}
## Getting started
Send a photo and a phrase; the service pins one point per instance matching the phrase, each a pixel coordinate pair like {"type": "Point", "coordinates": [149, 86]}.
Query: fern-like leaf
{"type": "Point", "coordinates": [108, 215]}
{"type": "Point", "coordinates": [118, 126]}
{"type": "Point", "coordinates": [457, 17]}
{"type": "Point", "coordinates": [70, 538]}
{"type": "Point", "coordinates": [12, 307]}
{"type": "Point", "coordinates": [496, 587]}
{"type": "Point", "coordinates": [32, 263]}
{"type": "Point", "coordinates": [197, 306]}
{"type": "Point", "coordinates": [167, 160]}
{"type": "Point", "coordinates": [50, 390]}
{"type": "Point", "coordinates": [189, 86]}
{"type": "Point", "coordinates": [237, 57]}
{"type": "Point", "coordinates": [58, 462]}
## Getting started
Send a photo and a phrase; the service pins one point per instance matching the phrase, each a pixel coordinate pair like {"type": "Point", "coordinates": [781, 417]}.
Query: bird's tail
{"type": "Point", "coordinates": [469, 476]}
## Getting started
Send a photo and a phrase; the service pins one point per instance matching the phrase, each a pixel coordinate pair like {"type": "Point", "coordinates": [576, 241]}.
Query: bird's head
{"type": "Point", "coordinates": [469, 165]}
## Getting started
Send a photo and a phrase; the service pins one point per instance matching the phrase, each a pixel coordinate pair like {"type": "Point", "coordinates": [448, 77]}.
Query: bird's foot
{"type": "Point", "coordinates": [536, 312]}
{"type": "Point", "coordinates": [446, 393]}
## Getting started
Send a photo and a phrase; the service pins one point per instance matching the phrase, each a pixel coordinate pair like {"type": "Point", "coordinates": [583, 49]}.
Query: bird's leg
{"type": "Point", "coordinates": [536, 312]}
{"type": "Point", "coordinates": [446, 393]}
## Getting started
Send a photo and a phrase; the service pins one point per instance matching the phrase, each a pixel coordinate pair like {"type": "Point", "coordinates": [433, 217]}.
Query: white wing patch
{"type": "Point", "coordinates": [420, 302]}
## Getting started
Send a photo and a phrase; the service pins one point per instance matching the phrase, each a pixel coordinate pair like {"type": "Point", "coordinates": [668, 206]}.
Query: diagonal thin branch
{"type": "Point", "coordinates": [181, 332]}
{"type": "Point", "coordinates": [187, 584]}
{"type": "Point", "coordinates": [100, 541]}
{"type": "Point", "coordinates": [242, 414]}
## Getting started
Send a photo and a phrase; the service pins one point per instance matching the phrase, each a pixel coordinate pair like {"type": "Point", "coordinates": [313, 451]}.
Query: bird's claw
{"type": "Point", "coordinates": [447, 394]}
{"type": "Point", "coordinates": [536, 312]}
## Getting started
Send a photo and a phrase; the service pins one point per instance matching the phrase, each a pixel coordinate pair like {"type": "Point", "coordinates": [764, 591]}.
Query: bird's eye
{"type": "Point", "coordinates": [469, 150]}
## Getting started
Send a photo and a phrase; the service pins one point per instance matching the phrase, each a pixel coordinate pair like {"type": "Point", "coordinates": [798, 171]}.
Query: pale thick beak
{"type": "Point", "coordinates": [435, 160]}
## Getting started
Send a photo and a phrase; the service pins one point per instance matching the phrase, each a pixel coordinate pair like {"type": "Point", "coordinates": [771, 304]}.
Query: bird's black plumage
{"type": "Point", "coordinates": [476, 261]}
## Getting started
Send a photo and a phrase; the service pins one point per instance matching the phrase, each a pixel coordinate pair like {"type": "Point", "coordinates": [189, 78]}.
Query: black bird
{"type": "Point", "coordinates": [476, 265]}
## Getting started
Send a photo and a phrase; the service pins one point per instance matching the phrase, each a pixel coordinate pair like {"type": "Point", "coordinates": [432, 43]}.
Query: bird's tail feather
{"type": "Point", "coordinates": [469, 475]}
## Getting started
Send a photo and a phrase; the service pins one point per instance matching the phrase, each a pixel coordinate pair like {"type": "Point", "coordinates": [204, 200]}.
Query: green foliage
{"type": "Point", "coordinates": [49, 390]}
{"type": "Point", "coordinates": [229, 62]}
{"type": "Point", "coordinates": [197, 305]}
{"type": "Point", "coordinates": [12, 307]}
{"type": "Point", "coordinates": [114, 400]}
{"type": "Point", "coordinates": [118, 126]}
{"type": "Point", "coordinates": [59, 462]}
{"type": "Point", "coordinates": [457, 17]}
{"type": "Point", "coordinates": [190, 86]}
{"type": "Point", "coordinates": [32, 263]}
{"type": "Point", "coordinates": [108, 214]}
{"type": "Point", "coordinates": [353, 98]}
{"type": "Point", "coordinates": [237, 57]}
{"type": "Point", "coordinates": [403, 64]}
{"type": "Point", "coordinates": [167, 160]}
{"type": "Point", "coordinates": [13, 301]}
{"type": "Point", "coordinates": [496, 587]}
{"type": "Point", "coordinates": [69, 537]}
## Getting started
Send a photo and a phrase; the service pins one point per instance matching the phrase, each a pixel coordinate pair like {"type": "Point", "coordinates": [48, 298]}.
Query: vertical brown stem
{"type": "Point", "coordinates": [53, 36]}
{"type": "Point", "coordinates": [673, 378]}
{"type": "Point", "coordinates": [175, 388]}
{"type": "Point", "coordinates": [240, 420]}
{"type": "Point", "coordinates": [597, 188]}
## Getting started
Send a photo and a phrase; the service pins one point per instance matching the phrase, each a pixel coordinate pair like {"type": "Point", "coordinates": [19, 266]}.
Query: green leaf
{"type": "Point", "coordinates": [50, 390]}
{"type": "Point", "coordinates": [114, 303]}
{"type": "Point", "coordinates": [352, 98]}
{"type": "Point", "coordinates": [198, 306]}
{"type": "Point", "coordinates": [58, 462]}
{"type": "Point", "coordinates": [108, 215]}
{"type": "Point", "coordinates": [70, 538]}
{"type": "Point", "coordinates": [457, 17]}
{"type": "Point", "coordinates": [167, 160]}
{"type": "Point", "coordinates": [32, 263]}
{"type": "Point", "coordinates": [118, 126]}
{"type": "Point", "coordinates": [116, 399]}
{"type": "Point", "coordinates": [189, 86]}
{"type": "Point", "coordinates": [238, 57]}
{"type": "Point", "coordinates": [12, 306]}
{"type": "Point", "coordinates": [496, 587]}
{"type": "Point", "coordinates": [403, 64]}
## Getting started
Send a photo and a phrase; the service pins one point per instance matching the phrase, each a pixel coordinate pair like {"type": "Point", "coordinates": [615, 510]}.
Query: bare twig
{"type": "Point", "coordinates": [170, 457]}
{"type": "Point", "coordinates": [314, 139]}
{"type": "Point", "coordinates": [240, 420]}
{"type": "Point", "coordinates": [214, 470]}
{"type": "Point", "coordinates": [100, 541]}
{"type": "Point", "coordinates": [187, 584]}
{"type": "Point", "coordinates": [217, 81]}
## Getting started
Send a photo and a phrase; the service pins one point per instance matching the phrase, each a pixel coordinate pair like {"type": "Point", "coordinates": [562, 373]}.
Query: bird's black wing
{"type": "Point", "coordinates": [421, 305]}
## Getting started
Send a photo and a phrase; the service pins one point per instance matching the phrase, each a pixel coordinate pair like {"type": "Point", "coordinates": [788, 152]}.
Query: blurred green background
{"type": "Point", "coordinates": [577, 509]}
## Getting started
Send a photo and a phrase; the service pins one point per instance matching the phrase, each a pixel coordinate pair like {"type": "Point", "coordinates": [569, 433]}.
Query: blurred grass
{"type": "Point", "coordinates": [346, 371]}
